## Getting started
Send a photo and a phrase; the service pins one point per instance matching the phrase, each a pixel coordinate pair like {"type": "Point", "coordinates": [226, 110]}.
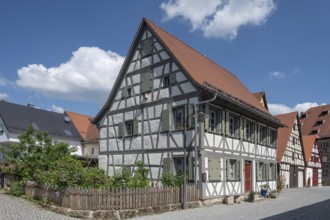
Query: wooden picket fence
{"type": "Point", "coordinates": [113, 199]}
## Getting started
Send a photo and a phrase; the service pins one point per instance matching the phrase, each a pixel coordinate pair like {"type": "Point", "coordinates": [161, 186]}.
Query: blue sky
{"type": "Point", "coordinates": [65, 55]}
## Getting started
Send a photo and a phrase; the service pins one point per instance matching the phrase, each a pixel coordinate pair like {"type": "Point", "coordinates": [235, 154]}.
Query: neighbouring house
{"type": "Point", "coordinates": [15, 118]}
{"type": "Point", "coordinates": [90, 138]}
{"type": "Point", "coordinates": [316, 120]}
{"type": "Point", "coordinates": [290, 152]}
{"type": "Point", "coordinates": [88, 132]}
{"type": "Point", "coordinates": [313, 171]}
{"type": "Point", "coordinates": [176, 110]}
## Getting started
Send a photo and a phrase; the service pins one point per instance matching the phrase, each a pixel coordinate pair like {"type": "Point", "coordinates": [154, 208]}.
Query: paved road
{"type": "Point", "coordinates": [13, 208]}
{"type": "Point", "coordinates": [303, 203]}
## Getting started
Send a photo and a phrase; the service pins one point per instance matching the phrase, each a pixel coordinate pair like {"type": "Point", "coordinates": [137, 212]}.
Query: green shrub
{"type": "Point", "coordinates": [170, 180]}
{"type": "Point", "coordinates": [16, 189]}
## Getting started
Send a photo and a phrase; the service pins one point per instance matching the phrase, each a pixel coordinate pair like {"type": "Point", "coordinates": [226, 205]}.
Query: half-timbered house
{"type": "Point", "coordinates": [290, 157]}
{"type": "Point", "coordinates": [177, 110]}
{"type": "Point", "coordinates": [313, 171]}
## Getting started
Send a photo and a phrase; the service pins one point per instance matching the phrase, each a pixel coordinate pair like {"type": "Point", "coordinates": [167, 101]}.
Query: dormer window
{"type": "Point", "coordinates": [303, 115]}
{"type": "Point", "coordinates": [324, 112]}
{"type": "Point", "coordinates": [314, 131]}
{"type": "Point", "coordinates": [320, 122]}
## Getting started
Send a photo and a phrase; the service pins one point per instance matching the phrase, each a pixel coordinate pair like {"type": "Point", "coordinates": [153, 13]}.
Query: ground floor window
{"type": "Point", "coordinates": [233, 169]}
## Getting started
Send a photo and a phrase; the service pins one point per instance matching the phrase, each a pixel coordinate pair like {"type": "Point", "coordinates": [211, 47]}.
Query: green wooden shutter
{"type": "Point", "coordinates": [257, 171]}
{"type": "Point", "coordinates": [238, 169]}
{"type": "Point", "coordinates": [121, 129]}
{"type": "Point", "coordinates": [167, 165]}
{"type": "Point", "coordinates": [190, 169]}
{"type": "Point", "coordinates": [207, 118]}
{"type": "Point", "coordinates": [173, 79]}
{"type": "Point", "coordinates": [241, 128]}
{"type": "Point", "coordinates": [165, 120]}
{"type": "Point", "coordinates": [257, 133]}
{"type": "Point", "coordinates": [124, 93]}
{"type": "Point", "coordinates": [146, 82]}
{"type": "Point", "coordinates": [219, 117]}
{"type": "Point", "coordinates": [214, 169]}
{"type": "Point", "coordinates": [227, 123]}
{"type": "Point", "coordinates": [190, 116]}
{"type": "Point", "coordinates": [267, 172]}
{"type": "Point", "coordinates": [135, 127]}
{"type": "Point", "coordinates": [228, 169]}
{"type": "Point", "coordinates": [223, 122]}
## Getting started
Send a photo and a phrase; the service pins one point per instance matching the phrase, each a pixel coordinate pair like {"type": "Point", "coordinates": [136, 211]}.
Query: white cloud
{"type": "Point", "coordinates": [277, 109]}
{"type": "Point", "coordinates": [4, 96]}
{"type": "Point", "coordinates": [57, 109]}
{"type": "Point", "coordinates": [277, 74]}
{"type": "Point", "coordinates": [88, 76]}
{"type": "Point", "coordinates": [219, 18]}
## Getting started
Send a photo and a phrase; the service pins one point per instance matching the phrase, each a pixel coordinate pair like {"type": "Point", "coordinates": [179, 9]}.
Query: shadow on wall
{"type": "Point", "coordinates": [318, 211]}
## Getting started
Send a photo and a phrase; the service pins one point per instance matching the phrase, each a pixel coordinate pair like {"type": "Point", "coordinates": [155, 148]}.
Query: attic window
{"type": "Point", "coordinates": [67, 132]}
{"type": "Point", "coordinates": [314, 131]}
{"type": "Point", "coordinates": [324, 112]}
{"type": "Point", "coordinates": [320, 122]}
{"type": "Point", "coordinates": [35, 126]}
{"type": "Point", "coordinates": [303, 115]}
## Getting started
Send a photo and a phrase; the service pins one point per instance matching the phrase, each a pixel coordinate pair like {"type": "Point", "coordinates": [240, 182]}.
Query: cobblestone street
{"type": "Point", "coordinates": [303, 203]}
{"type": "Point", "coordinates": [13, 208]}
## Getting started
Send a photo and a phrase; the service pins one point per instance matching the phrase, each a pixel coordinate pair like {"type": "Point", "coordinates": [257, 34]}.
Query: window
{"type": "Point", "coordinates": [265, 171]}
{"type": "Point", "coordinates": [250, 126]}
{"type": "Point", "coordinates": [92, 151]}
{"type": "Point", "coordinates": [234, 125]}
{"type": "Point", "coordinates": [178, 115]}
{"type": "Point", "coordinates": [319, 122]}
{"type": "Point", "coordinates": [166, 81]}
{"type": "Point", "coordinates": [129, 92]}
{"type": "Point", "coordinates": [324, 113]}
{"type": "Point", "coordinates": [146, 47]}
{"type": "Point", "coordinates": [213, 121]}
{"type": "Point", "coordinates": [293, 140]}
{"type": "Point", "coordinates": [129, 128]}
{"type": "Point", "coordinates": [314, 132]}
{"type": "Point", "coordinates": [263, 135]}
{"type": "Point", "coordinates": [273, 138]}
{"type": "Point", "coordinates": [303, 115]}
{"type": "Point", "coordinates": [324, 159]}
{"type": "Point", "coordinates": [293, 154]}
{"type": "Point", "coordinates": [175, 166]}
{"type": "Point", "coordinates": [67, 132]}
{"type": "Point", "coordinates": [324, 172]}
{"type": "Point", "coordinates": [233, 169]}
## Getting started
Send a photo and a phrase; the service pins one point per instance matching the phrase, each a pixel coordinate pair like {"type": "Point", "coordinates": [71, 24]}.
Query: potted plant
{"type": "Point", "coordinates": [273, 194]}
{"type": "Point", "coordinates": [264, 189]}
{"type": "Point", "coordinates": [251, 196]}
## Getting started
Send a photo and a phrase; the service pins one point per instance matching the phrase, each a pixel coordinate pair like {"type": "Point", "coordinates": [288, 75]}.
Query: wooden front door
{"type": "Point", "coordinates": [315, 177]}
{"type": "Point", "coordinates": [293, 177]}
{"type": "Point", "coordinates": [247, 169]}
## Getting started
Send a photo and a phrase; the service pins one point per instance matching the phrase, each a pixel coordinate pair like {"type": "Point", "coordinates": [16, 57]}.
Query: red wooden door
{"type": "Point", "coordinates": [247, 177]}
{"type": "Point", "coordinates": [315, 177]}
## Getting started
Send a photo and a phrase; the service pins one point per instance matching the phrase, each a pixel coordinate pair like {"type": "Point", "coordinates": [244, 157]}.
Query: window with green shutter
{"type": "Point", "coordinates": [173, 79]}
{"type": "Point", "coordinates": [135, 127]}
{"type": "Point", "coordinates": [168, 165]}
{"type": "Point", "coordinates": [233, 169]}
{"type": "Point", "coordinates": [214, 169]}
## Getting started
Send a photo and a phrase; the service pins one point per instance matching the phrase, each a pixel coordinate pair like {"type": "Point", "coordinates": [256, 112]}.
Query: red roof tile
{"type": "Point", "coordinates": [284, 133]}
{"type": "Point", "coordinates": [203, 70]}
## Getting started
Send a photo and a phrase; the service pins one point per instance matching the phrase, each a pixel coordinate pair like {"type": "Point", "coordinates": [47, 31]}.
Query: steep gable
{"type": "Point", "coordinates": [308, 143]}
{"type": "Point", "coordinates": [199, 69]}
{"type": "Point", "coordinates": [261, 97]}
{"type": "Point", "coordinates": [285, 132]}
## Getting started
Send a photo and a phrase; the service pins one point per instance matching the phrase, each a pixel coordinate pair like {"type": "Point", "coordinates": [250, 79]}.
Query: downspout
{"type": "Point", "coordinates": [196, 150]}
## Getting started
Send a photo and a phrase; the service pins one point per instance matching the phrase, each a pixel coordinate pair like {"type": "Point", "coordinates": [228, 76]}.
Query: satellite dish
{"type": "Point", "coordinates": [67, 119]}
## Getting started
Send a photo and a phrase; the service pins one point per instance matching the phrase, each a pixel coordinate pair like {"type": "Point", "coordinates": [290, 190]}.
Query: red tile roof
{"type": "Point", "coordinates": [83, 125]}
{"type": "Point", "coordinates": [308, 142]}
{"type": "Point", "coordinates": [203, 70]}
{"type": "Point", "coordinates": [285, 132]}
{"type": "Point", "coordinates": [313, 115]}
